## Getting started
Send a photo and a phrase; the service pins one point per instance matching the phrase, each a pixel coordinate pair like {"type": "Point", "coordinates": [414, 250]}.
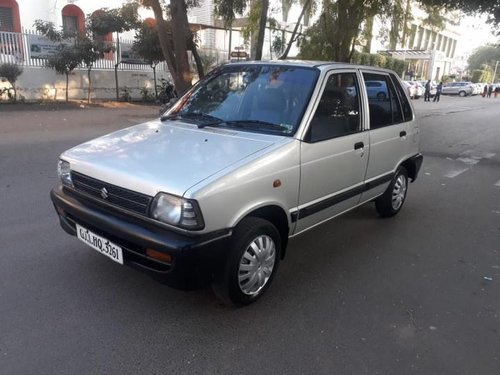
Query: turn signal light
{"type": "Point", "coordinates": [162, 257]}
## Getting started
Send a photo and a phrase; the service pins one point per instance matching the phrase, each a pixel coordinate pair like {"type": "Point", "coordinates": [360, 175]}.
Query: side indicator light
{"type": "Point", "coordinates": [162, 257]}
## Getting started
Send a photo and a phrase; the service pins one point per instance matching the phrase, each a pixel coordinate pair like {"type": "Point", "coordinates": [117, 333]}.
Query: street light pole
{"type": "Point", "coordinates": [495, 74]}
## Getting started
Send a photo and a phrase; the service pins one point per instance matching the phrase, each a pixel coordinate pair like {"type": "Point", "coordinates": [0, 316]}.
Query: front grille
{"type": "Point", "coordinates": [115, 195]}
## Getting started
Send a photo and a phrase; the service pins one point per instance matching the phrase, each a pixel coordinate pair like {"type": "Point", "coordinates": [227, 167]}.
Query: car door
{"type": "Point", "coordinates": [333, 152]}
{"type": "Point", "coordinates": [390, 132]}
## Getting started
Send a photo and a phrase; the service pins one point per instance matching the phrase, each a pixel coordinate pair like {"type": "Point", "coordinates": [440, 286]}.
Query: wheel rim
{"type": "Point", "coordinates": [399, 192]}
{"type": "Point", "coordinates": [256, 265]}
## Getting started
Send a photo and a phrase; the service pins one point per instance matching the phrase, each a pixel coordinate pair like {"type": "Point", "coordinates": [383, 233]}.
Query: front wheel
{"type": "Point", "coordinates": [462, 93]}
{"type": "Point", "coordinates": [391, 202]}
{"type": "Point", "coordinates": [251, 264]}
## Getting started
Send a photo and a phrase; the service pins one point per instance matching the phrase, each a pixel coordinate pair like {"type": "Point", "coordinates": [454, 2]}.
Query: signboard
{"type": "Point", "coordinates": [128, 56]}
{"type": "Point", "coordinates": [239, 54]}
{"type": "Point", "coordinates": [40, 47]}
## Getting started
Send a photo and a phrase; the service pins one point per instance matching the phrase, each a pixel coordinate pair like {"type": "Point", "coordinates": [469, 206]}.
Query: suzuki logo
{"type": "Point", "coordinates": [104, 193]}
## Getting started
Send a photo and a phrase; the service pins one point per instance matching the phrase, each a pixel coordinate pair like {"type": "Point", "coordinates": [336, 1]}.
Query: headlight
{"type": "Point", "coordinates": [64, 172]}
{"type": "Point", "coordinates": [173, 210]}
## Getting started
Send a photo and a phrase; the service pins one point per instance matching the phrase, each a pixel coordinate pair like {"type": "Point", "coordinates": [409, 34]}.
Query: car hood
{"type": "Point", "coordinates": [169, 157]}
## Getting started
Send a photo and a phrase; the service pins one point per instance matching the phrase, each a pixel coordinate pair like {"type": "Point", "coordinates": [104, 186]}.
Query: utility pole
{"type": "Point", "coordinates": [495, 73]}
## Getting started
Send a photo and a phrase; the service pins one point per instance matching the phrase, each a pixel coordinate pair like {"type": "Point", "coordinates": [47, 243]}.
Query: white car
{"type": "Point", "coordinates": [254, 154]}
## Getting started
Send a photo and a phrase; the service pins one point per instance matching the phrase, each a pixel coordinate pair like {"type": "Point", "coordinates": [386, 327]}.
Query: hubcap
{"type": "Point", "coordinates": [399, 192]}
{"type": "Point", "coordinates": [256, 265]}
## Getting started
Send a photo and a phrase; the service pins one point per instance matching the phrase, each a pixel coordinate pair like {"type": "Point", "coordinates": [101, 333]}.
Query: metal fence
{"type": "Point", "coordinates": [19, 48]}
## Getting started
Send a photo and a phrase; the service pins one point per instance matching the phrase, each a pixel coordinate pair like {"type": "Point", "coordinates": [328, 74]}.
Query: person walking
{"type": "Point", "coordinates": [485, 90]}
{"type": "Point", "coordinates": [490, 90]}
{"type": "Point", "coordinates": [439, 89]}
{"type": "Point", "coordinates": [427, 93]}
{"type": "Point", "coordinates": [496, 91]}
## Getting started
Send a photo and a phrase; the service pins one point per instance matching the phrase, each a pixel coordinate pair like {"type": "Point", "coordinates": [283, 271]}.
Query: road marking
{"type": "Point", "coordinates": [454, 173]}
{"type": "Point", "coordinates": [469, 161]}
{"type": "Point", "coordinates": [498, 184]}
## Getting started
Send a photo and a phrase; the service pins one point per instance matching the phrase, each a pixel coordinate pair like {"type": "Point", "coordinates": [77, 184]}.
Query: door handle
{"type": "Point", "coordinates": [402, 134]}
{"type": "Point", "coordinates": [359, 145]}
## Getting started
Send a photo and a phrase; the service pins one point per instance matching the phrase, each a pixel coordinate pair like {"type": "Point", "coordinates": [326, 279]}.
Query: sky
{"type": "Point", "coordinates": [475, 33]}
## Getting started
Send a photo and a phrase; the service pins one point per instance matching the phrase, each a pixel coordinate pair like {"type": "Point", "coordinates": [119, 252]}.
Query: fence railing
{"type": "Point", "coordinates": [27, 49]}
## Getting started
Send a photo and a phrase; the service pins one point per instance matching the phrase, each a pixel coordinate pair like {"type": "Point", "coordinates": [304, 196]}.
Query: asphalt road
{"type": "Point", "coordinates": [359, 295]}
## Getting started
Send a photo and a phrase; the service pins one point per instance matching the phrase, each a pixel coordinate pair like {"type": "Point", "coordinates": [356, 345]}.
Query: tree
{"type": "Point", "coordinates": [257, 19]}
{"type": "Point", "coordinates": [489, 7]}
{"type": "Point", "coordinates": [305, 7]}
{"type": "Point", "coordinates": [147, 45]}
{"type": "Point", "coordinates": [484, 55]}
{"type": "Point", "coordinates": [67, 57]}
{"type": "Point", "coordinates": [335, 33]}
{"type": "Point", "coordinates": [117, 20]}
{"type": "Point", "coordinates": [175, 40]}
{"type": "Point", "coordinates": [11, 73]}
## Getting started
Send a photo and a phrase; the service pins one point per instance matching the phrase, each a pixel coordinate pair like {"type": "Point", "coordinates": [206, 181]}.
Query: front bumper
{"type": "Point", "coordinates": [194, 257]}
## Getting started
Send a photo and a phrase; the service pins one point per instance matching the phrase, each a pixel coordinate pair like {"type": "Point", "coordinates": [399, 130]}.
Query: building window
{"type": "Point", "coordinates": [73, 19]}
{"type": "Point", "coordinates": [9, 16]}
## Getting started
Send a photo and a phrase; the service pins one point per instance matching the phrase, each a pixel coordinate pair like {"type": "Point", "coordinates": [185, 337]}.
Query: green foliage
{"type": "Point", "coordinates": [278, 44]}
{"type": "Point", "coordinates": [490, 7]}
{"type": "Point", "coordinates": [481, 76]}
{"type": "Point", "coordinates": [125, 94]}
{"type": "Point", "coordinates": [229, 9]}
{"type": "Point", "coordinates": [336, 32]}
{"type": "Point", "coordinates": [484, 57]}
{"type": "Point", "coordinates": [147, 43]}
{"type": "Point", "coordinates": [209, 61]}
{"type": "Point", "coordinates": [373, 59]}
{"type": "Point", "coordinates": [147, 95]}
{"type": "Point", "coordinates": [65, 60]}
{"type": "Point", "coordinates": [10, 72]}
{"type": "Point", "coordinates": [125, 18]}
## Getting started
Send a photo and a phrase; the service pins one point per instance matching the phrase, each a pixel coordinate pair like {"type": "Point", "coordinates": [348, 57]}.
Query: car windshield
{"type": "Point", "coordinates": [257, 98]}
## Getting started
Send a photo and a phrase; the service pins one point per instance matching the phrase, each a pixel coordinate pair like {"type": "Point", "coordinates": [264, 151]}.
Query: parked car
{"type": "Point", "coordinates": [418, 89]}
{"type": "Point", "coordinates": [376, 90]}
{"type": "Point", "coordinates": [433, 87]}
{"type": "Point", "coordinates": [410, 89]}
{"type": "Point", "coordinates": [458, 88]}
{"type": "Point", "coordinates": [254, 154]}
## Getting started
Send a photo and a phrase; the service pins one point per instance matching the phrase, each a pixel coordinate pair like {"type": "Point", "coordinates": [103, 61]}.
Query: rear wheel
{"type": "Point", "coordinates": [462, 93]}
{"type": "Point", "coordinates": [252, 262]}
{"type": "Point", "coordinates": [391, 202]}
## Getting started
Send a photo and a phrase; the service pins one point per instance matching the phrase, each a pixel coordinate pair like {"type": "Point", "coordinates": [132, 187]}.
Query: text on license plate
{"type": "Point", "coordinates": [100, 244]}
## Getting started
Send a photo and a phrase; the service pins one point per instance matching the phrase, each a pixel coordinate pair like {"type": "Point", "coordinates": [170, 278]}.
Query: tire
{"type": "Point", "coordinates": [245, 278]}
{"type": "Point", "coordinates": [391, 202]}
{"type": "Point", "coordinates": [462, 94]}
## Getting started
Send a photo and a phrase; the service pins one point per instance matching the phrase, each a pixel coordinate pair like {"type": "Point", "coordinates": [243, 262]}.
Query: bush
{"type": "Point", "coordinates": [11, 73]}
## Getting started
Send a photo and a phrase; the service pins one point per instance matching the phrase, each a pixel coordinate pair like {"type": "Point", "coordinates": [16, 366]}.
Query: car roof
{"type": "Point", "coordinates": [321, 65]}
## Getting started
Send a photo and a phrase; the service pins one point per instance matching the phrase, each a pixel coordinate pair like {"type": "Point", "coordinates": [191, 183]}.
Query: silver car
{"type": "Point", "coordinates": [458, 88]}
{"type": "Point", "coordinates": [253, 155]}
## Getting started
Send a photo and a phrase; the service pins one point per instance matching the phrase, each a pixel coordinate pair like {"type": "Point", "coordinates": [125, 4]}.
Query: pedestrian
{"type": "Point", "coordinates": [439, 89]}
{"type": "Point", "coordinates": [427, 94]}
{"type": "Point", "coordinates": [497, 90]}
{"type": "Point", "coordinates": [490, 90]}
{"type": "Point", "coordinates": [485, 90]}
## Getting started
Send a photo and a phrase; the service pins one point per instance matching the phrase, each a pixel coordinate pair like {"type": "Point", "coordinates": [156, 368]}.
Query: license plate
{"type": "Point", "coordinates": [100, 244]}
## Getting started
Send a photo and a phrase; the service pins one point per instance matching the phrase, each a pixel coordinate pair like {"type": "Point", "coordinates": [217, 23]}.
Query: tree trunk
{"type": "Point", "coordinates": [197, 59]}
{"type": "Point", "coordinates": [296, 28]}
{"type": "Point", "coordinates": [262, 29]}
{"type": "Point", "coordinates": [67, 86]}
{"type": "Point", "coordinates": [177, 59]}
{"type": "Point", "coordinates": [153, 65]}
{"type": "Point", "coordinates": [180, 31]}
{"type": "Point", "coordinates": [90, 84]}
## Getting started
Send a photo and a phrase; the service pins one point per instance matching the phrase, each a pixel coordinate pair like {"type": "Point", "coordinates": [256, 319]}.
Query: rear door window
{"type": "Point", "coordinates": [384, 105]}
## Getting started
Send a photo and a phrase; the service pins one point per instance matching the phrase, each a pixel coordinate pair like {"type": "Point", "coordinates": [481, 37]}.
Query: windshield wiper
{"type": "Point", "coordinates": [212, 120]}
{"type": "Point", "coordinates": [258, 124]}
